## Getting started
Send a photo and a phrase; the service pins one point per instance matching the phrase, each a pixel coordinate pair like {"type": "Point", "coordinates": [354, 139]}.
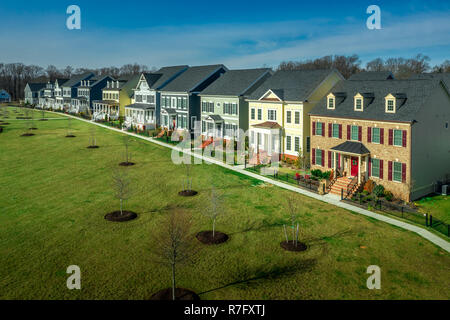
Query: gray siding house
{"type": "Point", "coordinates": [32, 91]}
{"type": "Point", "coordinates": [70, 88]}
{"type": "Point", "coordinates": [145, 108]}
{"type": "Point", "coordinates": [224, 109]}
{"type": "Point", "coordinates": [87, 92]}
{"type": "Point", "coordinates": [180, 103]}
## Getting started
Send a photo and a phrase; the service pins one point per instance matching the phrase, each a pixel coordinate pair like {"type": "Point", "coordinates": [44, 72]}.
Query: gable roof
{"type": "Point", "coordinates": [372, 75]}
{"type": "Point", "coordinates": [36, 86]}
{"type": "Point", "coordinates": [292, 85]}
{"type": "Point", "coordinates": [413, 95]}
{"type": "Point", "coordinates": [192, 78]}
{"type": "Point", "coordinates": [235, 82]}
{"type": "Point", "coordinates": [167, 74]}
{"type": "Point", "coordinates": [76, 79]}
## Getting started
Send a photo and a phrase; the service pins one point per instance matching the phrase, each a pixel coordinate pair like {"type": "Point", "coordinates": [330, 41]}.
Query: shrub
{"type": "Point", "coordinates": [316, 173]}
{"type": "Point", "coordinates": [365, 192]}
{"type": "Point", "coordinates": [369, 185]}
{"type": "Point", "coordinates": [378, 191]}
{"type": "Point", "coordinates": [388, 195]}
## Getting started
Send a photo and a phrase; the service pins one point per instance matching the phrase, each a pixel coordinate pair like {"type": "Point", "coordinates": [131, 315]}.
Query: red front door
{"type": "Point", "coordinates": [354, 166]}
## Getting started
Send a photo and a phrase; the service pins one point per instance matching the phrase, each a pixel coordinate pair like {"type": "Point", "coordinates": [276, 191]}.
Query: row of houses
{"type": "Point", "coordinates": [370, 126]}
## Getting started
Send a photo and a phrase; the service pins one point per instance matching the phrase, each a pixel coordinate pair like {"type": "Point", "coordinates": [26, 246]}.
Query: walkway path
{"type": "Point", "coordinates": [329, 198]}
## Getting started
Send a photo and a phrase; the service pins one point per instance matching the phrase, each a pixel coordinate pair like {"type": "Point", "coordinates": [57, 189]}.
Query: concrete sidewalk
{"type": "Point", "coordinates": [329, 198]}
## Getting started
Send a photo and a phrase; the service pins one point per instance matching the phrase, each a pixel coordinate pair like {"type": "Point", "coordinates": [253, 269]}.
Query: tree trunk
{"type": "Point", "coordinates": [121, 212]}
{"type": "Point", "coordinates": [214, 227]}
{"type": "Point", "coordinates": [173, 281]}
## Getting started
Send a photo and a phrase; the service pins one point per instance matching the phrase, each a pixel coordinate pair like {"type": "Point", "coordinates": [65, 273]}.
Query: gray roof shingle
{"type": "Point", "coordinates": [76, 79]}
{"type": "Point", "coordinates": [415, 91]}
{"type": "Point", "coordinates": [352, 147]}
{"type": "Point", "coordinates": [235, 82]}
{"type": "Point", "coordinates": [372, 75]}
{"type": "Point", "coordinates": [36, 86]}
{"type": "Point", "coordinates": [292, 85]}
{"type": "Point", "coordinates": [167, 73]}
{"type": "Point", "coordinates": [192, 78]}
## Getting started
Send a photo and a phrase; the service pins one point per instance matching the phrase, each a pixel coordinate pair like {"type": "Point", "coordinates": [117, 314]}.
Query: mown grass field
{"type": "Point", "coordinates": [55, 193]}
{"type": "Point", "coordinates": [438, 206]}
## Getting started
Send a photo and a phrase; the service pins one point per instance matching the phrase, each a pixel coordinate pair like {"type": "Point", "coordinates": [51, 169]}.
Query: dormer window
{"type": "Point", "coordinates": [390, 104]}
{"type": "Point", "coordinates": [358, 102]}
{"type": "Point", "coordinates": [331, 102]}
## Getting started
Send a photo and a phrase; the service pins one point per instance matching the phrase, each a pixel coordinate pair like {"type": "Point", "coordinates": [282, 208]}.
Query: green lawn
{"type": "Point", "coordinates": [55, 193]}
{"type": "Point", "coordinates": [438, 206]}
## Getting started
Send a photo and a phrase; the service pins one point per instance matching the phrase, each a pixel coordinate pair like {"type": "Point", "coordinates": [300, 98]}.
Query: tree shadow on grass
{"type": "Point", "coordinates": [261, 273]}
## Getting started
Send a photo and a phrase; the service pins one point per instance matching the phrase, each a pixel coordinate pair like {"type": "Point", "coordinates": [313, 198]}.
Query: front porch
{"type": "Point", "coordinates": [265, 142]}
{"type": "Point", "coordinates": [141, 116]}
{"type": "Point", "coordinates": [350, 164]}
{"type": "Point", "coordinates": [106, 109]}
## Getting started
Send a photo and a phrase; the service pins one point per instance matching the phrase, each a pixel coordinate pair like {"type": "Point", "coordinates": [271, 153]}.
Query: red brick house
{"type": "Point", "coordinates": [394, 132]}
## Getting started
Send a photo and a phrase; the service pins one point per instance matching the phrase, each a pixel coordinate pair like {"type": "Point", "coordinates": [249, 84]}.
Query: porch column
{"type": "Point", "coordinates": [367, 168]}
{"type": "Point", "coordinates": [359, 169]}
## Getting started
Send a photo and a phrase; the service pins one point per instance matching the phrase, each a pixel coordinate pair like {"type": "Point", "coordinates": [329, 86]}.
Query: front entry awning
{"type": "Point", "coordinates": [352, 147]}
{"type": "Point", "coordinates": [169, 111]}
{"type": "Point", "coordinates": [215, 118]}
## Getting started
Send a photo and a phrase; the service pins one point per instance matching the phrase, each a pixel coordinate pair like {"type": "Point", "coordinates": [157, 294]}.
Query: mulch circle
{"type": "Point", "coordinates": [290, 246]}
{"type": "Point", "coordinates": [126, 164]}
{"type": "Point", "coordinates": [27, 135]}
{"type": "Point", "coordinates": [117, 217]}
{"type": "Point", "coordinates": [187, 193]}
{"type": "Point", "coordinates": [70, 136]}
{"type": "Point", "coordinates": [5, 123]}
{"type": "Point", "coordinates": [32, 128]}
{"type": "Point", "coordinates": [93, 147]}
{"type": "Point", "coordinates": [180, 294]}
{"type": "Point", "coordinates": [206, 237]}
{"type": "Point", "coordinates": [43, 119]}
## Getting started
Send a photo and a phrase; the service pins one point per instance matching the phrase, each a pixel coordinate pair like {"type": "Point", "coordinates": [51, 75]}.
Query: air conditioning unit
{"type": "Point", "coordinates": [445, 189]}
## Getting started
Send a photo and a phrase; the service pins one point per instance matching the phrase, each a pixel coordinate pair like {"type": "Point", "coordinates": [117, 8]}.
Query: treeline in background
{"type": "Point", "coordinates": [15, 76]}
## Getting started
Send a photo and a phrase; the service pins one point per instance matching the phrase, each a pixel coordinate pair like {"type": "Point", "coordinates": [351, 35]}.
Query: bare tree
{"type": "Point", "coordinates": [69, 127]}
{"type": "Point", "coordinates": [215, 209]}
{"type": "Point", "coordinates": [126, 143]}
{"type": "Point", "coordinates": [93, 137]}
{"type": "Point", "coordinates": [121, 185]}
{"type": "Point", "coordinates": [292, 211]}
{"type": "Point", "coordinates": [173, 244]}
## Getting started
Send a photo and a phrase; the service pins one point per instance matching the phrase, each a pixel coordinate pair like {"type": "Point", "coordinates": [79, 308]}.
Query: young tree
{"type": "Point", "coordinates": [93, 137]}
{"type": "Point", "coordinates": [69, 127]}
{"type": "Point", "coordinates": [126, 143]}
{"type": "Point", "coordinates": [292, 207]}
{"type": "Point", "coordinates": [215, 208]}
{"type": "Point", "coordinates": [187, 184]}
{"type": "Point", "coordinates": [121, 185]}
{"type": "Point", "coordinates": [173, 243]}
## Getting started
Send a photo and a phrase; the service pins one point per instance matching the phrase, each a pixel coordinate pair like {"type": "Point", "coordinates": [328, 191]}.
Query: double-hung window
{"type": "Point", "coordinates": [398, 138]}
{"type": "Point", "coordinates": [376, 135]}
{"type": "Point", "coordinates": [319, 128]}
{"type": "Point", "coordinates": [288, 116]}
{"type": "Point", "coordinates": [252, 113]}
{"type": "Point", "coordinates": [397, 171]}
{"type": "Point", "coordinates": [375, 168]}
{"type": "Point", "coordinates": [335, 130]}
{"type": "Point", "coordinates": [288, 143]}
{"type": "Point", "coordinates": [297, 144]}
{"type": "Point", "coordinates": [259, 114]}
{"type": "Point", "coordinates": [355, 133]}
{"type": "Point", "coordinates": [272, 115]}
{"type": "Point", "coordinates": [318, 157]}
{"type": "Point", "coordinates": [297, 117]}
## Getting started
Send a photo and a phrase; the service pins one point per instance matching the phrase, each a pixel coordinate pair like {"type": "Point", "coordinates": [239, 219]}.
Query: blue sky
{"type": "Point", "coordinates": [239, 34]}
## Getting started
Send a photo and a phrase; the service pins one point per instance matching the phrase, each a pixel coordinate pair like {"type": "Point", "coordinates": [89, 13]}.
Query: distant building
{"type": "Point", "coordinates": [4, 96]}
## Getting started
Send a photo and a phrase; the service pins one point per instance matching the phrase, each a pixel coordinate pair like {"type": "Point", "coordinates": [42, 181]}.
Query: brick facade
{"type": "Point", "coordinates": [385, 150]}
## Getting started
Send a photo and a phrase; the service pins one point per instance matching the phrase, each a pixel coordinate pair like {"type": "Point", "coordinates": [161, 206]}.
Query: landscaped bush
{"type": "Point", "coordinates": [378, 191]}
{"type": "Point", "coordinates": [317, 174]}
{"type": "Point", "coordinates": [369, 185]}
{"type": "Point", "coordinates": [388, 195]}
